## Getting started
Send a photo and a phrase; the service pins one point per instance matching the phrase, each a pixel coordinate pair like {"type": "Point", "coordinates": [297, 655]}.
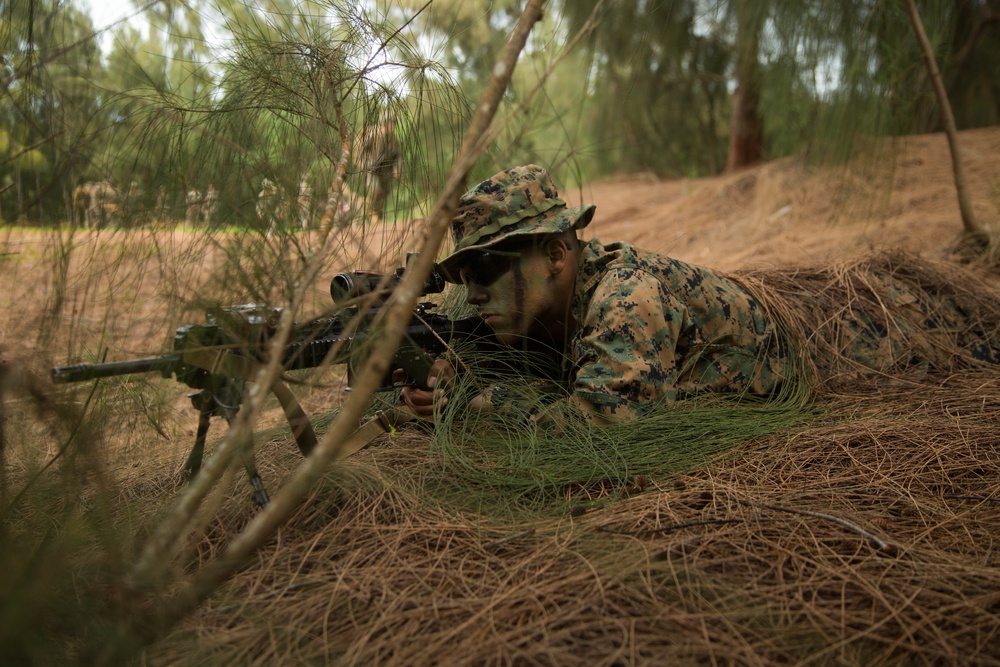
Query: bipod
{"type": "Point", "coordinates": [208, 406]}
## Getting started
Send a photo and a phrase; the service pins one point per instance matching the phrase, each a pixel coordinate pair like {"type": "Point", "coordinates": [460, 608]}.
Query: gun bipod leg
{"type": "Point", "coordinates": [259, 492]}
{"type": "Point", "coordinates": [208, 407]}
{"type": "Point", "coordinates": [249, 464]}
{"type": "Point", "coordinates": [203, 401]}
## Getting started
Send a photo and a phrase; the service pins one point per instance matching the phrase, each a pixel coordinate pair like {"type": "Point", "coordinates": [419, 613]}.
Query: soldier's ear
{"type": "Point", "coordinates": [557, 254]}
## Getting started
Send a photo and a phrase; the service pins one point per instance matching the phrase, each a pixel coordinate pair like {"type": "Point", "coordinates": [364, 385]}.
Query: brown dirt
{"type": "Point", "coordinates": [868, 538]}
{"type": "Point", "coordinates": [783, 213]}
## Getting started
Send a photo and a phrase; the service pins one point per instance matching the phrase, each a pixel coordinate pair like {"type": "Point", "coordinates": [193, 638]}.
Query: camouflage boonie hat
{"type": "Point", "coordinates": [520, 201]}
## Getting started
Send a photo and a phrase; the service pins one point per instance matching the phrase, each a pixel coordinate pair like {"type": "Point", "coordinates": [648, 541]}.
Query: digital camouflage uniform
{"type": "Point", "coordinates": [892, 313]}
{"type": "Point", "coordinates": [651, 330]}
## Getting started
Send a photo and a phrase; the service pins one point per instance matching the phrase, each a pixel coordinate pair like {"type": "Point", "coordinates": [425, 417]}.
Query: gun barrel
{"type": "Point", "coordinates": [84, 372]}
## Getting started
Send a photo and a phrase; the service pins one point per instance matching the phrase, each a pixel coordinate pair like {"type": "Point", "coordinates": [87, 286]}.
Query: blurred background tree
{"type": "Point", "coordinates": [677, 88]}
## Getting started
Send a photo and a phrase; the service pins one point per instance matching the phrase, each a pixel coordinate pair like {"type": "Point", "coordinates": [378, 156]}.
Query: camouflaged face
{"type": "Point", "coordinates": [515, 202]}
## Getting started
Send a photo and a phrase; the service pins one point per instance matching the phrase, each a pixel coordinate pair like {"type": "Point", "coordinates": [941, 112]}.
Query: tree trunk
{"type": "Point", "coordinates": [20, 196]}
{"type": "Point", "coordinates": [746, 134]}
{"type": "Point", "coordinates": [971, 227]}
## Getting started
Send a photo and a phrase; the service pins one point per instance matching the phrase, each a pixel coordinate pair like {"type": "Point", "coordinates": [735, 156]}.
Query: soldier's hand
{"type": "Point", "coordinates": [428, 403]}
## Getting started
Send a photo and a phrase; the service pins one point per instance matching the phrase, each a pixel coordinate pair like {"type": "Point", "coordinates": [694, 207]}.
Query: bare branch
{"type": "Point", "coordinates": [969, 223]}
{"type": "Point", "coordinates": [288, 497]}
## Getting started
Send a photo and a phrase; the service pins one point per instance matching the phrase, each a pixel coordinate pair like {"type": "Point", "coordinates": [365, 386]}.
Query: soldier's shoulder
{"type": "Point", "coordinates": [610, 271]}
{"type": "Point", "coordinates": [628, 260]}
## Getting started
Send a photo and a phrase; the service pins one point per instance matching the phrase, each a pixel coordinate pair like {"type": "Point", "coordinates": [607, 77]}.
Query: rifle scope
{"type": "Point", "coordinates": [347, 286]}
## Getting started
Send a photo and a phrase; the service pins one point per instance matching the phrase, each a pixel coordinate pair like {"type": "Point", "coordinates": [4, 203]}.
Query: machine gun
{"type": "Point", "coordinates": [219, 357]}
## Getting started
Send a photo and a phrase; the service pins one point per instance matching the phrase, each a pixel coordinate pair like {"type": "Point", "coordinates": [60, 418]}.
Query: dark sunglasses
{"type": "Point", "coordinates": [484, 268]}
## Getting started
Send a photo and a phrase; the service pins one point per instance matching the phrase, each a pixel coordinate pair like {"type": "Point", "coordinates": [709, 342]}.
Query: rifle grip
{"type": "Point", "coordinates": [416, 362]}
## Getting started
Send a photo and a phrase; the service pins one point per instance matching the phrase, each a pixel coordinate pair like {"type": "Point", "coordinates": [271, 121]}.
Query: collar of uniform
{"type": "Point", "coordinates": [594, 259]}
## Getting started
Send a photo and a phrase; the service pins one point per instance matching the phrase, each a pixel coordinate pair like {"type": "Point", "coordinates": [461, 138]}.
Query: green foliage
{"type": "Point", "coordinates": [658, 76]}
{"type": "Point", "coordinates": [827, 71]}
{"type": "Point", "coordinates": [63, 549]}
{"type": "Point", "coordinates": [504, 470]}
{"type": "Point", "coordinates": [496, 464]}
{"type": "Point", "coordinates": [649, 90]}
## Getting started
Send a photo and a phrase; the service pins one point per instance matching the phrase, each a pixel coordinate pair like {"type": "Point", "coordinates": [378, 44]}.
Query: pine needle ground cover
{"type": "Point", "coordinates": [867, 536]}
{"type": "Point", "coordinates": [855, 527]}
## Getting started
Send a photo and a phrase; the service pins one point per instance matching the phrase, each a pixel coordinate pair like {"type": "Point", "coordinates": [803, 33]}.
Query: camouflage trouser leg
{"type": "Point", "coordinates": [917, 331]}
{"type": "Point", "coordinates": [95, 217]}
{"type": "Point", "coordinates": [378, 191]}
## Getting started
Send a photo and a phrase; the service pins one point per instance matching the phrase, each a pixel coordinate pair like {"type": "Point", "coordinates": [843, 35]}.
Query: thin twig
{"type": "Point", "coordinates": [878, 541]}
{"type": "Point", "coordinates": [667, 529]}
{"type": "Point", "coordinates": [510, 538]}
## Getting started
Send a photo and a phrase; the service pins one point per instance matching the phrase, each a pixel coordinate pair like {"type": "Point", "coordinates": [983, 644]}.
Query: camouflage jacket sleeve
{"type": "Point", "coordinates": [625, 350]}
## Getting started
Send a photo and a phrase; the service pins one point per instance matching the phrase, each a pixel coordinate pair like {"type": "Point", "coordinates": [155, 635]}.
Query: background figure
{"type": "Point", "coordinates": [379, 154]}
{"type": "Point", "coordinates": [209, 205]}
{"type": "Point", "coordinates": [95, 204]}
{"type": "Point", "coordinates": [131, 202]}
{"type": "Point", "coordinates": [103, 204]}
{"type": "Point", "coordinates": [161, 203]}
{"type": "Point", "coordinates": [193, 211]}
{"type": "Point", "coordinates": [270, 205]}
{"type": "Point", "coordinates": [81, 203]}
{"type": "Point", "coordinates": [304, 203]}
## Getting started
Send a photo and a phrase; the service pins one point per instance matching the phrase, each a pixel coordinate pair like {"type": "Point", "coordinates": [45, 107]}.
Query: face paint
{"type": "Point", "coordinates": [517, 314]}
{"type": "Point", "coordinates": [517, 303]}
{"type": "Point", "coordinates": [484, 268]}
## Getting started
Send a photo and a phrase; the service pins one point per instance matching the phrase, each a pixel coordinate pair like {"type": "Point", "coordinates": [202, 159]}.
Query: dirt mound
{"type": "Point", "coordinates": [890, 196]}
